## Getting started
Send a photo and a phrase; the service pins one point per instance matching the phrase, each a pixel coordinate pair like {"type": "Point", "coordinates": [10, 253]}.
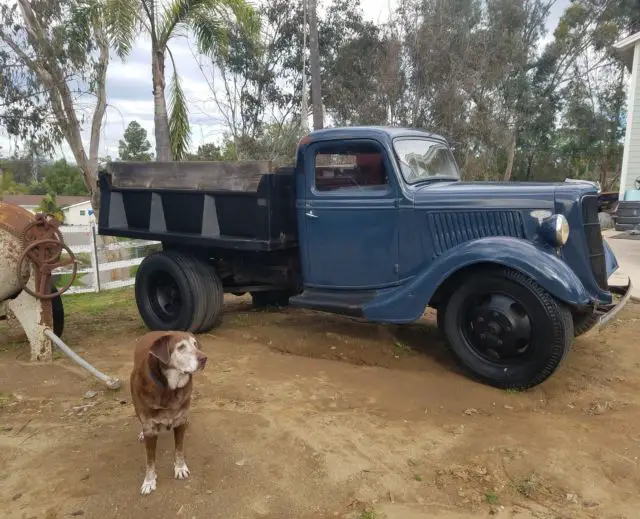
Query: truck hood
{"type": "Point", "coordinates": [505, 195]}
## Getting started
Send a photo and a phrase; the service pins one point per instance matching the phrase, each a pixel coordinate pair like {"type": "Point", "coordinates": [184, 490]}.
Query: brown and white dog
{"type": "Point", "coordinates": [163, 365]}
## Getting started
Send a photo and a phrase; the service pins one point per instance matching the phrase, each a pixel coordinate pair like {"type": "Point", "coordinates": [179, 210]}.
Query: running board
{"type": "Point", "coordinates": [333, 301]}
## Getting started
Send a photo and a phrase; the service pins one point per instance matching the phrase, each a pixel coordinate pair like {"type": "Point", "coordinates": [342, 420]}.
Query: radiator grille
{"type": "Point", "coordinates": [450, 229]}
{"type": "Point", "coordinates": [593, 236]}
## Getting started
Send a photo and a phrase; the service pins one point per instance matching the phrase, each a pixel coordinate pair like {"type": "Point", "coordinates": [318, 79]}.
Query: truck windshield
{"type": "Point", "coordinates": [422, 160]}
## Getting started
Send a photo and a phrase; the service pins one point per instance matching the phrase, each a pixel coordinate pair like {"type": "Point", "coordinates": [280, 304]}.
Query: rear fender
{"type": "Point", "coordinates": [407, 302]}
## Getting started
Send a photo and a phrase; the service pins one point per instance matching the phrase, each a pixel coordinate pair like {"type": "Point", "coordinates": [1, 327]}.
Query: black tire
{"type": "Point", "coordinates": [628, 209]}
{"type": "Point", "coordinates": [214, 295]}
{"type": "Point", "coordinates": [582, 323]}
{"type": "Point", "coordinates": [505, 330]}
{"type": "Point", "coordinates": [630, 220]}
{"type": "Point", "coordinates": [169, 293]}
{"type": "Point", "coordinates": [270, 299]}
{"type": "Point", "coordinates": [626, 227]}
{"type": "Point", "coordinates": [57, 309]}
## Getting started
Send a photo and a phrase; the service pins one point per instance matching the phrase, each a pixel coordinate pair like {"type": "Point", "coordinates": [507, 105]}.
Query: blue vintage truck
{"type": "Point", "coordinates": [373, 223]}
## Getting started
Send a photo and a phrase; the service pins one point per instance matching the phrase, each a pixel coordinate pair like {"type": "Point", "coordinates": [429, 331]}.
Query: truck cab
{"type": "Point", "coordinates": [374, 223]}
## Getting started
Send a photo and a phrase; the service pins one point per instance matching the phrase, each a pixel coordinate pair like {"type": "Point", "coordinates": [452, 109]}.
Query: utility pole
{"type": "Point", "coordinates": [314, 62]}
{"type": "Point", "coordinates": [304, 109]}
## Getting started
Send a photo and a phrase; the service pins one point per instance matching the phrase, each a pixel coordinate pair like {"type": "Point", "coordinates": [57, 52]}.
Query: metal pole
{"type": "Point", "coordinates": [111, 383]}
{"type": "Point", "coordinates": [304, 109]}
{"type": "Point", "coordinates": [94, 253]}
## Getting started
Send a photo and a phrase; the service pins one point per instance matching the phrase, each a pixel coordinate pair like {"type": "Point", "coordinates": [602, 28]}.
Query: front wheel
{"type": "Point", "coordinates": [582, 323]}
{"type": "Point", "coordinates": [506, 330]}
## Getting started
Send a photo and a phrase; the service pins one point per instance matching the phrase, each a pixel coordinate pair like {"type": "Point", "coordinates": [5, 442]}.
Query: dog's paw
{"type": "Point", "coordinates": [181, 471]}
{"type": "Point", "coordinates": [148, 485]}
{"type": "Point", "coordinates": [141, 437]}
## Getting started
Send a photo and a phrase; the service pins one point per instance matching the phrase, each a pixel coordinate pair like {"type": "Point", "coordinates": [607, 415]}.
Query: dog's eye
{"type": "Point", "coordinates": [181, 347]}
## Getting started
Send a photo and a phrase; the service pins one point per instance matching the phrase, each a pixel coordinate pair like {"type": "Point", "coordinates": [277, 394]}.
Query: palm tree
{"type": "Point", "coordinates": [163, 20]}
{"type": "Point", "coordinates": [49, 205]}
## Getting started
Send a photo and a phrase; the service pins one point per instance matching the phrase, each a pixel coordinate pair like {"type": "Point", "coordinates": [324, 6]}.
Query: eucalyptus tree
{"type": "Point", "coordinates": [53, 65]}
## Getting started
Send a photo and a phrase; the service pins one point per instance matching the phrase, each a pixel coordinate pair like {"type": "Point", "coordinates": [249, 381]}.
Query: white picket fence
{"type": "Point", "coordinates": [103, 264]}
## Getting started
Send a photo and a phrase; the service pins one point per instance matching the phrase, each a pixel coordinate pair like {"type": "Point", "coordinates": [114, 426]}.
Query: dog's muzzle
{"type": "Point", "coordinates": [202, 360]}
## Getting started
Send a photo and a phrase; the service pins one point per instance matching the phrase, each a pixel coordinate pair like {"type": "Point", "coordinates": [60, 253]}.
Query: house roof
{"type": "Point", "coordinates": [34, 200]}
{"type": "Point", "coordinates": [76, 205]}
{"type": "Point", "coordinates": [625, 48]}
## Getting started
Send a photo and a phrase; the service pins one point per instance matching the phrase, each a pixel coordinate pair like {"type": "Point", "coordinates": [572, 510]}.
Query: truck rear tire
{"type": "Point", "coordinates": [270, 299]}
{"type": "Point", "coordinates": [169, 293]}
{"type": "Point", "coordinates": [505, 330]}
{"type": "Point", "coordinates": [213, 295]}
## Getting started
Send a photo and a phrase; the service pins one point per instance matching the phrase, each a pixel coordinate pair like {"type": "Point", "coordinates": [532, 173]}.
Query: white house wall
{"type": "Point", "coordinates": [78, 214]}
{"type": "Point", "coordinates": [631, 157]}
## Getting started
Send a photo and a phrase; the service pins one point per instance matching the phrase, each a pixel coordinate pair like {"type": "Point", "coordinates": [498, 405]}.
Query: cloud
{"type": "Point", "coordinates": [129, 88]}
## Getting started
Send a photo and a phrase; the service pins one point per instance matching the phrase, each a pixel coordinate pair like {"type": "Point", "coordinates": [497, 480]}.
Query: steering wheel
{"type": "Point", "coordinates": [45, 255]}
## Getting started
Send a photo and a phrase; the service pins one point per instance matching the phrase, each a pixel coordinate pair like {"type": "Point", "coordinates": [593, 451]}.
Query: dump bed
{"type": "Point", "coordinates": [238, 205]}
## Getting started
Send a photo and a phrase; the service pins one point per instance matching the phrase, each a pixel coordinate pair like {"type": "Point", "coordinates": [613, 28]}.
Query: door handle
{"type": "Point", "coordinates": [311, 215]}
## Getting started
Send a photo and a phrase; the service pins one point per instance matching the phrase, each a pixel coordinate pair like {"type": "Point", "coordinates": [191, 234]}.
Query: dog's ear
{"type": "Point", "coordinates": [161, 349]}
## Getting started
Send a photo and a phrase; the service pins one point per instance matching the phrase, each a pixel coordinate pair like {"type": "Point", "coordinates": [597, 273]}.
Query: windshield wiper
{"type": "Point", "coordinates": [437, 178]}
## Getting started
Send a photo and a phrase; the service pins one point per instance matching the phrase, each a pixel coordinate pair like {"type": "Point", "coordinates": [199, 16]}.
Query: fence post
{"type": "Point", "coordinates": [95, 263]}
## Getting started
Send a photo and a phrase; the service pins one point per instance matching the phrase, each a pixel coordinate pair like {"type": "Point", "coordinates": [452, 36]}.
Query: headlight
{"type": "Point", "coordinates": [555, 230]}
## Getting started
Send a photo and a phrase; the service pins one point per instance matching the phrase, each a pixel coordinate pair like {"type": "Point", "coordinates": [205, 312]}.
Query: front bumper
{"type": "Point", "coordinates": [610, 311]}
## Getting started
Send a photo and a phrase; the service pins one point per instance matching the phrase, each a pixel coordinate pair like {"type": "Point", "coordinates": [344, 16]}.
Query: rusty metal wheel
{"type": "Point", "coordinates": [45, 255]}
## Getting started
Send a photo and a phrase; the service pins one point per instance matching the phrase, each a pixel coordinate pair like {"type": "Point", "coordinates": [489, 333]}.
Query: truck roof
{"type": "Point", "coordinates": [363, 132]}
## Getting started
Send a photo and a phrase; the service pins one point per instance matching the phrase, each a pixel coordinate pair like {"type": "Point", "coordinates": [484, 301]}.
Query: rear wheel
{"type": "Point", "coordinates": [167, 295]}
{"type": "Point", "coordinates": [270, 298]}
{"type": "Point", "coordinates": [505, 330]}
{"type": "Point", "coordinates": [213, 295]}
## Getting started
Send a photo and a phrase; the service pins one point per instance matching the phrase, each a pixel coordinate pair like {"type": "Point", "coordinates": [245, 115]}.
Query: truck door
{"type": "Point", "coordinates": [349, 217]}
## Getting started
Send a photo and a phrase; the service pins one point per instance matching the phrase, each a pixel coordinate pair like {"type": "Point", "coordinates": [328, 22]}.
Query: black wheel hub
{"type": "Point", "coordinates": [165, 296]}
{"type": "Point", "coordinates": [497, 327]}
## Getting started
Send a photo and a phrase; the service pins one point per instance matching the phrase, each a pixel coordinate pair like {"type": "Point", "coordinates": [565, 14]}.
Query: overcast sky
{"type": "Point", "coordinates": [129, 89]}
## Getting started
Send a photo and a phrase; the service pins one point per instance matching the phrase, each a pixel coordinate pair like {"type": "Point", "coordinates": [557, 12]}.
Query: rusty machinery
{"type": "Point", "coordinates": [31, 248]}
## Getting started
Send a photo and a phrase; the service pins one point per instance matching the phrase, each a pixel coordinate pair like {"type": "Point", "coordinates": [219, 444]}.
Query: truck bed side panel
{"type": "Point", "coordinates": [259, 219]}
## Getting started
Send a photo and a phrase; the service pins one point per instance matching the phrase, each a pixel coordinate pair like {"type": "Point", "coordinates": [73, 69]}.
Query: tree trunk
{"type": "Point", "coordinates": [510, 158]}
{"type": "Point", "coordinates": [160, 114]}
{"type": "Point", "coordinates": [314, 62]}
{"type": "Point", "coordinates": [62, 99]}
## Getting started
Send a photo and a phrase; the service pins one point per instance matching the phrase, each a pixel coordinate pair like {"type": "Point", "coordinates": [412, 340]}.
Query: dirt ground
{"type": "Point", "coordinates": [304, 415]}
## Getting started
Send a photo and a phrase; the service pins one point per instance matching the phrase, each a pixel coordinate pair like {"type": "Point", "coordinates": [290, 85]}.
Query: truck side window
{"type": "Point", "coordinates": [359, 168]}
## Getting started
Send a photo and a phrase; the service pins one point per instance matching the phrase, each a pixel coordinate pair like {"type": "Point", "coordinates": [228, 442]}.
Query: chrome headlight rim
{"type": "Point", "coordinates": [559, 227]}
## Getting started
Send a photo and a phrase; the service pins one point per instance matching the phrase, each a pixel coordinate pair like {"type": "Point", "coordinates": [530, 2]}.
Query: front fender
{"type": "Point", "coordinates": [407, 302]}
{"type": "Point", "coordinates": [610, 259]}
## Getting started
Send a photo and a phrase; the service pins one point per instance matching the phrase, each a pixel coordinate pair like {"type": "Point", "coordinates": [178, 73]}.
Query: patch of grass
{"type": "Point", "coordinates": [84, 258]}
{"type": "Point", "coordinates": [492, 498]}
{"type": "Point", "coordinates": [96, 304]}
{"type": "Point", "coordinates": [372, 514]}
{"type": "Point", "coordinates": [240, 319]}
{"type": "Point", "coordinates": [62, 280]}
{"type": "Point", "coordinates": [401, 347]}
{"type": "Point", "coordinates": [512, 391]}
{"type": "Point", "coordinates": [417, 477]}
{"type": "Point", "coordinates": [527, 485]}
{"type": "Point", "coordinates": [5, 399]}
